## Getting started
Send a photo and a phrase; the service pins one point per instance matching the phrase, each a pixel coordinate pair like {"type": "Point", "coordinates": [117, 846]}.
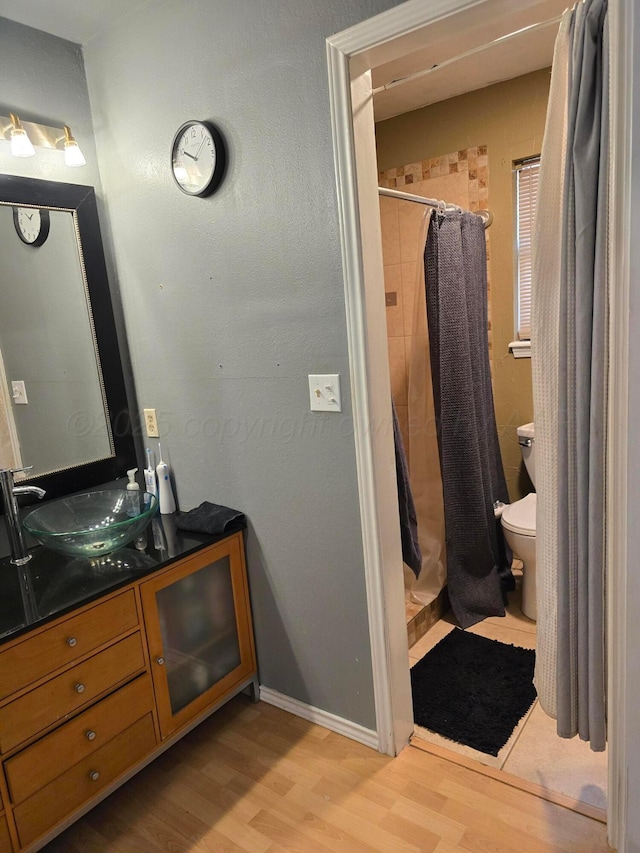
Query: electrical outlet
{"type": "Point", "coordinates": [151, 423]}
{"type": "Point", "coordinates": [324, 392]}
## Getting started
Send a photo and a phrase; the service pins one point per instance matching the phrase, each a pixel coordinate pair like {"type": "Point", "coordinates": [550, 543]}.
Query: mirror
{"type": "Point", "coordinates": [58, 343]}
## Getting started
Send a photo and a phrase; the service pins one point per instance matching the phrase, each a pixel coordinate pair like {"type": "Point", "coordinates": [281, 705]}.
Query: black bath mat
{"type": "Point", "coordinates": [473, 690]}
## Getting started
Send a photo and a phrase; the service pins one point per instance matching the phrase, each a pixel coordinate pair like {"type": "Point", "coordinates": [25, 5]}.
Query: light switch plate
{"type": "Point", "coordinates": [19, 392]}
{"type": "Point", "coordinates": [324, 392]}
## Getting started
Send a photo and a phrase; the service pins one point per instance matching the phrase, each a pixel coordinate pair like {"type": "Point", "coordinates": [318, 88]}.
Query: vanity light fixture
{"type": "Point", "coordinates": [24, 136]}
{"type": "Point", "coordinates": [20, 143]}
{"type": "Point", "coordinates": [73, 156]}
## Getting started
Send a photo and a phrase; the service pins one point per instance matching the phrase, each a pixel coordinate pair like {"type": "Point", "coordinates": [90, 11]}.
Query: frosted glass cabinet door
{"type": "Point", "coordinates": [199, 631]}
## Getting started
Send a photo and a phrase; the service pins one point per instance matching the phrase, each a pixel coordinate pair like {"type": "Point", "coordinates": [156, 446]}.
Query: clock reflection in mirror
{"type": "Point", "coordinates": [31, 224]}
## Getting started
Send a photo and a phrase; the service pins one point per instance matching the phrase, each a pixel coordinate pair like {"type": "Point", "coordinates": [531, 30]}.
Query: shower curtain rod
{"type": "Point", "coordinates": [416, 76]}
{"type": "Point", "coordinates": [485, 215]}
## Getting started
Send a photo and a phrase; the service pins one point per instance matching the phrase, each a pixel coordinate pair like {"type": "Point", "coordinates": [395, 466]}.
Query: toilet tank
{"type": "Point", "coordinates": [528, 449]}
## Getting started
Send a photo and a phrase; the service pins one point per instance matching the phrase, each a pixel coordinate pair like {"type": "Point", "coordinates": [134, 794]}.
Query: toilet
{"type": "Point", "coordinates": [519, 525]}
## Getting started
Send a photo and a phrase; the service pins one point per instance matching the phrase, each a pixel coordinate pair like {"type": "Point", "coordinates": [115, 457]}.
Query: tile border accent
{"type": "Point", "coordinates": [475, 162]}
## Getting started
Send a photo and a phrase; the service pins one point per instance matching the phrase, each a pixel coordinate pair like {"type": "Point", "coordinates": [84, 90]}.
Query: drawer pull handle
{"type": "Point", "coordinates": [71, 642]}
{"type": "Point", "coordinates": [79, 688]}
{"type": "Point", "coordinates": [94, 775]}
{"type": "Point", "coordinates": [160, 661]}
{"type": "Point", "coordinates": [90, 734]}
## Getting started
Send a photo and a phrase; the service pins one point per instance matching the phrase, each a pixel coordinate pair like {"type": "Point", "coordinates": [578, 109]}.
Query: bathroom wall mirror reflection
{"type": "Point", "coordinates": [63, 407]}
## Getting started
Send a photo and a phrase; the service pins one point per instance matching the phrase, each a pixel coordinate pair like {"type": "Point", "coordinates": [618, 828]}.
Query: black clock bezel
{"type": "Point", "coordinates": [221, 157]}
{"type": "Point", "coordinates": [45, 224]}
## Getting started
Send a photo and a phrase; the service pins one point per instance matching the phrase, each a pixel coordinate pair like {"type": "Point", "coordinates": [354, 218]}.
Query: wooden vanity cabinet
{"type": "Point", "coordinates": [5, 838]}
{"type": "Point", "coordinates": [99, 693]}
{"type": "Point", "coordinates": [198, 626]}
{"type": "Point", "coordinates": [65, 641]}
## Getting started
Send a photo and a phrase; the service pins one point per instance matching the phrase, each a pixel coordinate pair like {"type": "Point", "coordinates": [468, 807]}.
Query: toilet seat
{"type": "Point", "coordinates": [520, 517]}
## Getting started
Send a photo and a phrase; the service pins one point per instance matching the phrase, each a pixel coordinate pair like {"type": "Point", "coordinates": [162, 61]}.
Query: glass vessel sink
{"type": "Point", "coordinates": [91, 524]}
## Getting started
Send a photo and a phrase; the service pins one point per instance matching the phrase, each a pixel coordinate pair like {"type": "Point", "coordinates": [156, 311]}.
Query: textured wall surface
{"type": "Point", "coordinates": [509, 119]}
{"type": "Point", "coordinates": [230, 301]}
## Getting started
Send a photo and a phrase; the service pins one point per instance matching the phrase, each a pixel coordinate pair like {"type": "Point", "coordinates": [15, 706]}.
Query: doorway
{"type": "Point", "coordinates": [9, 445]}
{"type": "Point", "coordinates": [467, 150]}
{"type": "Point", "coordinates": [446, 28]}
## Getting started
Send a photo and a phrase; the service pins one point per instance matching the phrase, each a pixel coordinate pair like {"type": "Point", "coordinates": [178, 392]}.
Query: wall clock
{"type": "Point", "coordinates": [31, 224]}
{"type": "Point", "coordinates": [198, 158]}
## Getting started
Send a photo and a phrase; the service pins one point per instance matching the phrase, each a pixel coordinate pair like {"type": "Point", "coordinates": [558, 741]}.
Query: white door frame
{"type": "Point", "coordinates": [351, 55]}
{"type": "Point", "coordinates": [7, 421]}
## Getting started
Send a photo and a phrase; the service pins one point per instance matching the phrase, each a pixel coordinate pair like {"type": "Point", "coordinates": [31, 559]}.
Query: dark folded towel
{"type": "Point", "coordinates": [210, 518]}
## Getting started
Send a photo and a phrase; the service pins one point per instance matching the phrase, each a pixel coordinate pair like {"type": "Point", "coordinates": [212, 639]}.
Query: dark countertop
{"type": "Point", "coordinates": [51, 584]}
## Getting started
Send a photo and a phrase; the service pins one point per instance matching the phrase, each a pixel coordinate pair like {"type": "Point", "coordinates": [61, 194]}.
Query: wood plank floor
{"type": "Point", "coordinates": [254, 779]}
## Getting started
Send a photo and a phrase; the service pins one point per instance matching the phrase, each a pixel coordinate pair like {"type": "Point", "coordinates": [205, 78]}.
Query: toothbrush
{"type": "Point", "coordinates": [167, 501]}
{"type": "Point", "coordinates": [150, 476]}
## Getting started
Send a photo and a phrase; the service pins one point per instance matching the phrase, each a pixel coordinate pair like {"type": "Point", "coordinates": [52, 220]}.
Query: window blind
{"type": "Point", "coordinates": [527, 174]}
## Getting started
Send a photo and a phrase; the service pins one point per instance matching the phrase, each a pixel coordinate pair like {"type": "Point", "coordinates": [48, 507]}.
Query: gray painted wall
{"type": "Point", "coordinates": [230, 301]}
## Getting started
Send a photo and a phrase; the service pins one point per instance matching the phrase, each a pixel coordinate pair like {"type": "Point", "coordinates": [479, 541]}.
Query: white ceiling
{"type": "Point", "coordinates": [74, 20]}
{"type": "Point", "coordinates": [487, 59]}
{"type": "Point", "coordinates": [82, 20]}
{"type": "Point", "coordinates": [475, 69]}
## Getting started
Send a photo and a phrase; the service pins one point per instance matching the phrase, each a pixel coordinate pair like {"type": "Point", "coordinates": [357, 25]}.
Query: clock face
{"type": "Point", "coordinates": [31, 224]}
{"type": "Point", "coordinates": [198, 158]}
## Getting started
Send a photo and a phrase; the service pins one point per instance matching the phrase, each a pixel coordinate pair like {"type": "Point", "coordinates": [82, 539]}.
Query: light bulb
{"type": "Point", "coordinates": [73, 156]}
{"type": "Point", "coordinates": [20, 143]}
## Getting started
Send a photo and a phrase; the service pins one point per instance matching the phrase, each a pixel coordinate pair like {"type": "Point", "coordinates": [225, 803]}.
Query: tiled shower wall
{"type": "Point", "coordinates": [462, 178]}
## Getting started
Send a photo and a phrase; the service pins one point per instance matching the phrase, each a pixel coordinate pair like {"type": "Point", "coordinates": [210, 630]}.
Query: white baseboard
{"type": "Point", "coordinates": [323, 718]}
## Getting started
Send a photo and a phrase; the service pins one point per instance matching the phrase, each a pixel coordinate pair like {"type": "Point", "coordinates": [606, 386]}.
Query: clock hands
{"type": "Point", "coordinates": [200, 147]}
{"type": "Point", "coordinates": [197, 154]}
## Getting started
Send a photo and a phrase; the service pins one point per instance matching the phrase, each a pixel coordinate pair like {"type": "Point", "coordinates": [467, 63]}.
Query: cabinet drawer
{"type": "Point", "coordinates": [5, 838]}
{"type": "Point", "coordinates": [65, 642]}
{"type": "Point", "coordinates": [44, 761]}
{"type": "Point", "coordinates": [85, 779]}
{"type": "Point", "coordinates": [62, 695]}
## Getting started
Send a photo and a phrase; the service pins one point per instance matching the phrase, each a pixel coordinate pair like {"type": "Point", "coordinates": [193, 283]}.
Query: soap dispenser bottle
{"type": "Point", "coordinates": [133, 494]}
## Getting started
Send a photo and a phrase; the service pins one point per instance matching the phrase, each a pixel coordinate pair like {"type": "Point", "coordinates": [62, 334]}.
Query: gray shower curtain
{"type": "Point", "coordinates": [582, 395]}
{"type": "Point", "coordinates": [478, 573]}
{"type": "Point", "coordinates": [569, 346]}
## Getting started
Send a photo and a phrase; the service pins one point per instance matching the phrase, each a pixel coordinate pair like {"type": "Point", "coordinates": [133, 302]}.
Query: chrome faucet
{"type": "Point", "coordinates": [10, 491]}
